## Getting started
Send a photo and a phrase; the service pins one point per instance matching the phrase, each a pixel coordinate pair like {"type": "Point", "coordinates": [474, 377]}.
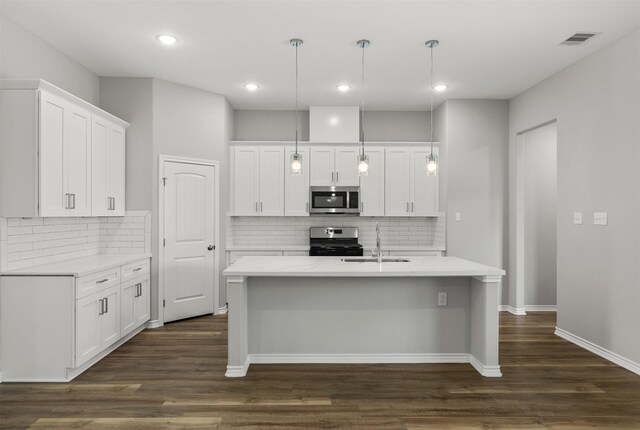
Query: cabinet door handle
{"type": "Point", "coordinates": [67, 201]}
{"type": "Point", "coordinates": [260, 206]}
{"type": "Point", "coordinates": [331, 176]}
{"type": "Point", "coordinates": [361, 206]}
{"type": "Point", "coordinates": [256, 206]}
{"type": "Point", "coordinates": [137, 269]}
{"type": "Point", "coordinates": [106, 305]}
{"type": "Point", "coordinates": [337, 177]}
{"type": "Point", "coordinates": [113, 200]}
{"type": "Point", "coordinates": [307, 207]}
{"type": "Point", "coordinates": [407, 206]}
{"type": "Point", "coordinates": [411, 206]}
{"type": "Point", "coordinates": [101, 301]}
{"type": "Point", "coordinates": [140, 288]}
{"type": "Point", "coordinates": [73, 201]}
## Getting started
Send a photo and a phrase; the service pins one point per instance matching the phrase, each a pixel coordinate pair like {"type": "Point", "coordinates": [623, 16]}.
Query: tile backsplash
{"type": "Point", "coordinates": [400, 231]}
{"type": "Point", "coordinates": [26, 242]}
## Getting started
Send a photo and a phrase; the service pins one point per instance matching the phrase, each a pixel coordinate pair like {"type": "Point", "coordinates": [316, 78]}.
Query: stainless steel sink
{"type": "Point", "coordinates": [374, 260]}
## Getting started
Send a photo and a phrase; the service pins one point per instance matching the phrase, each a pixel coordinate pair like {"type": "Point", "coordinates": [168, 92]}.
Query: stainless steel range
{"type": "Point", "coordinates": [336, 241]}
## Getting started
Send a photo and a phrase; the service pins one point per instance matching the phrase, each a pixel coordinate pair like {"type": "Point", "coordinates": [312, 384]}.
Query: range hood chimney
{"type": "Point", "coordinates": [334, 124]}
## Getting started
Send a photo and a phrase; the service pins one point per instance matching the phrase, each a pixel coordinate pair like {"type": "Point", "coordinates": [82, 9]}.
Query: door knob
{"type": "Point", "coordinates": [211, 247]}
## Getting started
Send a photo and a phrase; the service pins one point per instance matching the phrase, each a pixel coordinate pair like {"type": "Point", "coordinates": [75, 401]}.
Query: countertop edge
{"type": "Point", "coordinates": [45, 271]}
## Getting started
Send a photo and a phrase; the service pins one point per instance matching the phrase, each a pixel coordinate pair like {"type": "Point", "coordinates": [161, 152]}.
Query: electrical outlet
{"type": "Point", "coordinates": [599, 218]}
{"type": "Point", "coordinates": [458, 217]}
{"type": "Point", "coordinates": [577, 217]}
{"type": "Point", "coordinates": [442, 299]}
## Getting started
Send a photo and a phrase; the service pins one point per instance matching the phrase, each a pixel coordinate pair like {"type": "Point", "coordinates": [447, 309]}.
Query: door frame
{"type": "Point", "coordinates": [520, 308]}
{"type": "Point", "coordinates": [163, 159]}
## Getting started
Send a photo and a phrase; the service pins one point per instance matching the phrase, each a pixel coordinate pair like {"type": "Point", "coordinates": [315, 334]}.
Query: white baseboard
{"type": "Point", "coordinates": [238, 371]}
{"type": "Point", "coordinates": [487, 371]}
{"type": "Point", "coordinates": [154, 324]}
{"type": "Point", "coordinates": [356, 358]}
{"type": "Point", "coordinates": [541, 308]}
{"type": "Point", "coordinates": [512, 310]}
{"type": "Point", "coordinates": [598, 350]}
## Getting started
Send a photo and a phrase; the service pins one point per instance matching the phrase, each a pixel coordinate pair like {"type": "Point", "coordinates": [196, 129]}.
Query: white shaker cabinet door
{"type": "Point", "coordinates": [322, 166]}
{"type": "Point", "coordinates": [110, 324]}
{"type": "Point", "coordinates": [346, 167]}
{"type": "Point", "coordinates": [424, 189]}
{"type": "Point", "coordinates": [142, 304]}
{"type": "Point", "coordinates": [99, 139]}
{"type": "Point", "coordinates": [88, 329]}
{"type": "Point", "coordinates": [128, 294]}
{"type": "Point", "coordinates": [372, 186]}
{"type": "Point", "coordinates": [53, 180]}
{"type": "Point", "coordinates": [296, 195]}
{"type": "Point", "coordinates": [77, 147]}
{"type": "Point", "coordinates": [397, 182]}
{"type": "Point", "coordinates": [272, 170]}
{"type": "Point", "coordinates": [115, 160]}
{"type": "Point", "coordinates": [246, 165]}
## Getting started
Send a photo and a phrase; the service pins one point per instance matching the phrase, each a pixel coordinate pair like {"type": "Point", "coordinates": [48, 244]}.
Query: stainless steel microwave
{"type": "Point", "coordinates": [335, 200]}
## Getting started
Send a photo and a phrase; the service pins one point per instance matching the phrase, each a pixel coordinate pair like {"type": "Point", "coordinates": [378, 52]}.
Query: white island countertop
{"type": "Point", "coordinates": [78, 266]}
{"type": "Point", "coordinates": [291, 266]}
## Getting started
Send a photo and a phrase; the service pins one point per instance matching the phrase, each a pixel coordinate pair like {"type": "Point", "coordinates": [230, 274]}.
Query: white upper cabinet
{"type": "Point", "coordinates": [334, 166]}
{"type": "Point", "coordinates": [258, 180]}
{"type": "Point", "coordinates": [372, 185]}
{"type": "Point", "coordinates": [46, 160]}
{"type": "Point", "coordinates": [296, 187]}
{"type": "Point", "coordinates": [65, 157]}
{"type": "Point", "coordinates": [408, 190]}
{"type": "Point", "coordinates": [108, 167]}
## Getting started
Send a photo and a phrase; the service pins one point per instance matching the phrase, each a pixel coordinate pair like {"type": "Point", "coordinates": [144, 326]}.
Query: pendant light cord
{"type": "Point", "coordinates": [362, 100]}
{"type": "Point", "coordinates": [297, 44]}
{"type": "Point", "coordinates": [431, 93]}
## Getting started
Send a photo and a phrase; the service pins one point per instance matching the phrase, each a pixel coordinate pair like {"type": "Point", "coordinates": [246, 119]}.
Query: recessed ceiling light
{"type": "Point", "coordinates": [343, 87]}
{"type": "Point", "coordinates": [251, 87]}
{"type": "Point", "coordinates": [440, 87]}
{"type": "Point", "coordinates": [167, 39]}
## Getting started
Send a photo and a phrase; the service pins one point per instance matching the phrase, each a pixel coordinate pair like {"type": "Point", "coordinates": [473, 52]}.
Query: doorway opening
{"type": "Point", "coordinates": [536, 219]}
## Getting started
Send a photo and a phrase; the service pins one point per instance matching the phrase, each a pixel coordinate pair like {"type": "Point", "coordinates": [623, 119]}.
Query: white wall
{"type": "Point", "coordinates": [188, 122]}
{"type": "Point", "coordinates": [475, 174]}
{"type": "Point", "coordinates": [408, 126]}
{"type": "Point", "coordinates": [540, 186]}
{"type": "Point", "coordinates": [597, 105]}
{"type": "Point", "coordinates": [23, 55]}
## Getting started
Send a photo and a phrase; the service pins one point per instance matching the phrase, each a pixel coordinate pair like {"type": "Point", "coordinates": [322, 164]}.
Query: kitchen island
{"type": "Point", "coordinates": [326, 310]}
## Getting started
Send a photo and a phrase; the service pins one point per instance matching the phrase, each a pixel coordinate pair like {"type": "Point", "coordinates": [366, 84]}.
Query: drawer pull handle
{"type": "Point", "coordinates": [102, 281]}
{"type": "Point", "coordinates": [137, 269]}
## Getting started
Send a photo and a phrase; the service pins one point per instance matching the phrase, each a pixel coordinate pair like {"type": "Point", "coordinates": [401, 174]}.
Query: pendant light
{"type": "Point", "coordinates": [432, 159]}
{"type": "Point", "coordinates": [296, 159]}
{"type": "Point", "coordinates": [363, 159]}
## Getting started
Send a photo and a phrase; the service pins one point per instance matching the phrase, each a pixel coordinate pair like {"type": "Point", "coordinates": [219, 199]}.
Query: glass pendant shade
{"type": "Point", "coordinates": [432, 165]}
{"type": "Point", "coordinates": [363, 165]}
{"type": "Point", "coordinates": [296, 164]}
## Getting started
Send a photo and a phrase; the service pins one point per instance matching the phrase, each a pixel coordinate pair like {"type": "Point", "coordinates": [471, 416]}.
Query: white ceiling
{"type": "Point", "coordinates": [488, 49]}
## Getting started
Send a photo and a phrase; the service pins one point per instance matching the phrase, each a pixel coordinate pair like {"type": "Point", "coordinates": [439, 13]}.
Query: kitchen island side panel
{"type": "Point", "coordinates": [350, 316]}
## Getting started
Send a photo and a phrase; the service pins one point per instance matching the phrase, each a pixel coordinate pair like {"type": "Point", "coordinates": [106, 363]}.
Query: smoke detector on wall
{"type": "Point", "coordinates": [579, 38]}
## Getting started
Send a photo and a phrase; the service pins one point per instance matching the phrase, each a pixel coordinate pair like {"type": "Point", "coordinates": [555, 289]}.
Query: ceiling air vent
{"type": "Point", "coordinates": [578, 38]}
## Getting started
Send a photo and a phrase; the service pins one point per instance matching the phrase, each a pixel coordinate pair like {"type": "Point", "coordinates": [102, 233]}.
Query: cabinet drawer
{"type": "Point", "coordinates": [98, 281]}
{"type": "Point", "coordinates": [133, 270]}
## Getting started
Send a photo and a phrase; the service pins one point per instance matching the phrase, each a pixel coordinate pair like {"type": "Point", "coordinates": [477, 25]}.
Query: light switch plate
{"type": "Point", "coordinates": [577, 217]}
{"type": "Point", "coordinates": [458, 217]}
{"type": "Point", "coordinates": [599, 218]}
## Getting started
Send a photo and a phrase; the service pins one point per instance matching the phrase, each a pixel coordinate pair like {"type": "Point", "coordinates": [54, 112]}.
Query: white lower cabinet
{"type": "Point", "coordinates": [97, 323]}
{"type": "Point", "coordinates": [53, 327]}
{"type": "Point", "coordinates": [135, 304]}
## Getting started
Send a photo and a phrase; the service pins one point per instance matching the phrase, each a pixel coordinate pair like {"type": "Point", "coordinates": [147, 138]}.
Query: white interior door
{"type": "Point", "coordinates": [189, 252]}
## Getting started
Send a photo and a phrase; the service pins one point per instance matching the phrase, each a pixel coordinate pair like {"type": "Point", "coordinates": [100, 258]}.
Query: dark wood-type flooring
{"type": "Point", "coordinates": [173, 377]}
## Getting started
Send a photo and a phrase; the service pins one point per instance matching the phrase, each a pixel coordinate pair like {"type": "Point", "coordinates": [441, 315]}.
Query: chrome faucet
{"type": "Point", "coordinates": [378, 243]}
